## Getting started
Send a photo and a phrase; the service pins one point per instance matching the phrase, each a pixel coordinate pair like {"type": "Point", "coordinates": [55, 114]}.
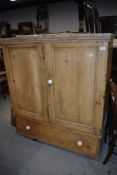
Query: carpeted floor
{"type": "Point", "coordinates": [22, 156]}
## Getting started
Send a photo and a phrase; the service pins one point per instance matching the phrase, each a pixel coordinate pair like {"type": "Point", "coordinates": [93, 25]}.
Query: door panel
{"type": "Point", "coordinates": [74, 67]}
{"type": "Point", "coordinates": [28, 76]}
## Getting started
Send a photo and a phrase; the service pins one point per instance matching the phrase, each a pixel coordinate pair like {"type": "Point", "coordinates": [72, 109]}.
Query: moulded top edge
{"type": "Point", "coordinates": [58, 36]}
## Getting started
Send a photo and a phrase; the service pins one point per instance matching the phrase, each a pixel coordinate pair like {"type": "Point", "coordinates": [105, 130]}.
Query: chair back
{"type": "Point", "coordinates": [113, 97]}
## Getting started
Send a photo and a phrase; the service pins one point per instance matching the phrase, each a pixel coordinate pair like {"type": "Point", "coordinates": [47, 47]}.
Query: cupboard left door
{"type": "Point", "coordinates": [25, 66]}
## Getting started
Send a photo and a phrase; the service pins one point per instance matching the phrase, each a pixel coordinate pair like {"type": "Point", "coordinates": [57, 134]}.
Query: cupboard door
{"type": "Point", "coordinates": [72, 67]}
{"type": "Point", "coordinates": [27, 67]}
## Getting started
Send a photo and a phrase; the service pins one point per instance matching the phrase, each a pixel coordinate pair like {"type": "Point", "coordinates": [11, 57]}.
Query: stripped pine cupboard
{"type": "Point", "coordinates": [57, 87]}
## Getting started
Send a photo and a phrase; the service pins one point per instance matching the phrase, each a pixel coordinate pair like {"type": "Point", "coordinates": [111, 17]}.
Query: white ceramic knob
{"type": "Point", "coordinates": [28, 127]}
{"type": "Point", "coordinates": [91, 54]}
{"type": "Point", "coordinates": [79, 143]}
{"type": "Point", "coordinates": [50, 82]}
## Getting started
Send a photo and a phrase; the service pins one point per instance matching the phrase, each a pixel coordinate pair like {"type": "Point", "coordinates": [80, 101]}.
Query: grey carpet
{"type": "Point", "coordinates": [22, 156]}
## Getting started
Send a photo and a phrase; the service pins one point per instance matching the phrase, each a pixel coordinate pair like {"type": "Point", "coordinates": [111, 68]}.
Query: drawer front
{"type": "Point", "coordinates": [78, 142]}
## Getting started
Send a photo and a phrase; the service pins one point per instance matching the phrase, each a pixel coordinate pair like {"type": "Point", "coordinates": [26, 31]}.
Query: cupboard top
{"type": "Point", "coordinates": [64, 37]}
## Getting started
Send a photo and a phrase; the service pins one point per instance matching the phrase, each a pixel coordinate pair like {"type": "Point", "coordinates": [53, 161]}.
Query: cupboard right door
{"type": "Point", "coordinates": [72, 84]}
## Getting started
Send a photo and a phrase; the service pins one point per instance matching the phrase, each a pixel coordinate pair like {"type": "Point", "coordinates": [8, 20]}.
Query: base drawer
{"type": "Point", "coordinates": [86, 144]}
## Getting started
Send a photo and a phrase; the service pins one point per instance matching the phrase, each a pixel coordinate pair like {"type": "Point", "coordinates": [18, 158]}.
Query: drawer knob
{"type": "Point", "coordinates": [79, 143]}
{"type": "Point", "coordinates": [28, 127]}
{"type": "Point", "coordinates": [50, 82]}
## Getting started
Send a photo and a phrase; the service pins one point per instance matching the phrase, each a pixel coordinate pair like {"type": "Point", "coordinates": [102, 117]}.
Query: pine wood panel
{"type": "Point", "coordinates": [58, 136]}
{"type": "Point", "coordinates": [28, 77]}
{"type": "Point", "coordinates": [102, 78]}
{"type": "Point", "coordinates": [72, 67]}
{"type": "Point", "coordinates": [71, 109]}
{"type": "Point", "coordinates": [60, 37]}
{"type": "Point", "coordinates": [10, 84]}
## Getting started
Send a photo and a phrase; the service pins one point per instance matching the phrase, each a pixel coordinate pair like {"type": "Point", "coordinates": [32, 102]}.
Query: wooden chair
{"type": "Point", "coordinates": [3, 78]}
{"type": "Point", "coordinates": [113, 121]}
{"type": "Point", "coordinates": [3, 83]}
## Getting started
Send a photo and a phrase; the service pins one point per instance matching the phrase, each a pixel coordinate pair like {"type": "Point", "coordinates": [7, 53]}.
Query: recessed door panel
{"type": "Point", "coordinates": [74, 67]}
{"type": "Point", "coordinates": [27, 66]}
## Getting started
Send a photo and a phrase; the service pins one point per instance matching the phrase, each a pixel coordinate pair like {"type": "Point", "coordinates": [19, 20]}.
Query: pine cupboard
{"type": "Point", "coordinates": [58, 88]}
